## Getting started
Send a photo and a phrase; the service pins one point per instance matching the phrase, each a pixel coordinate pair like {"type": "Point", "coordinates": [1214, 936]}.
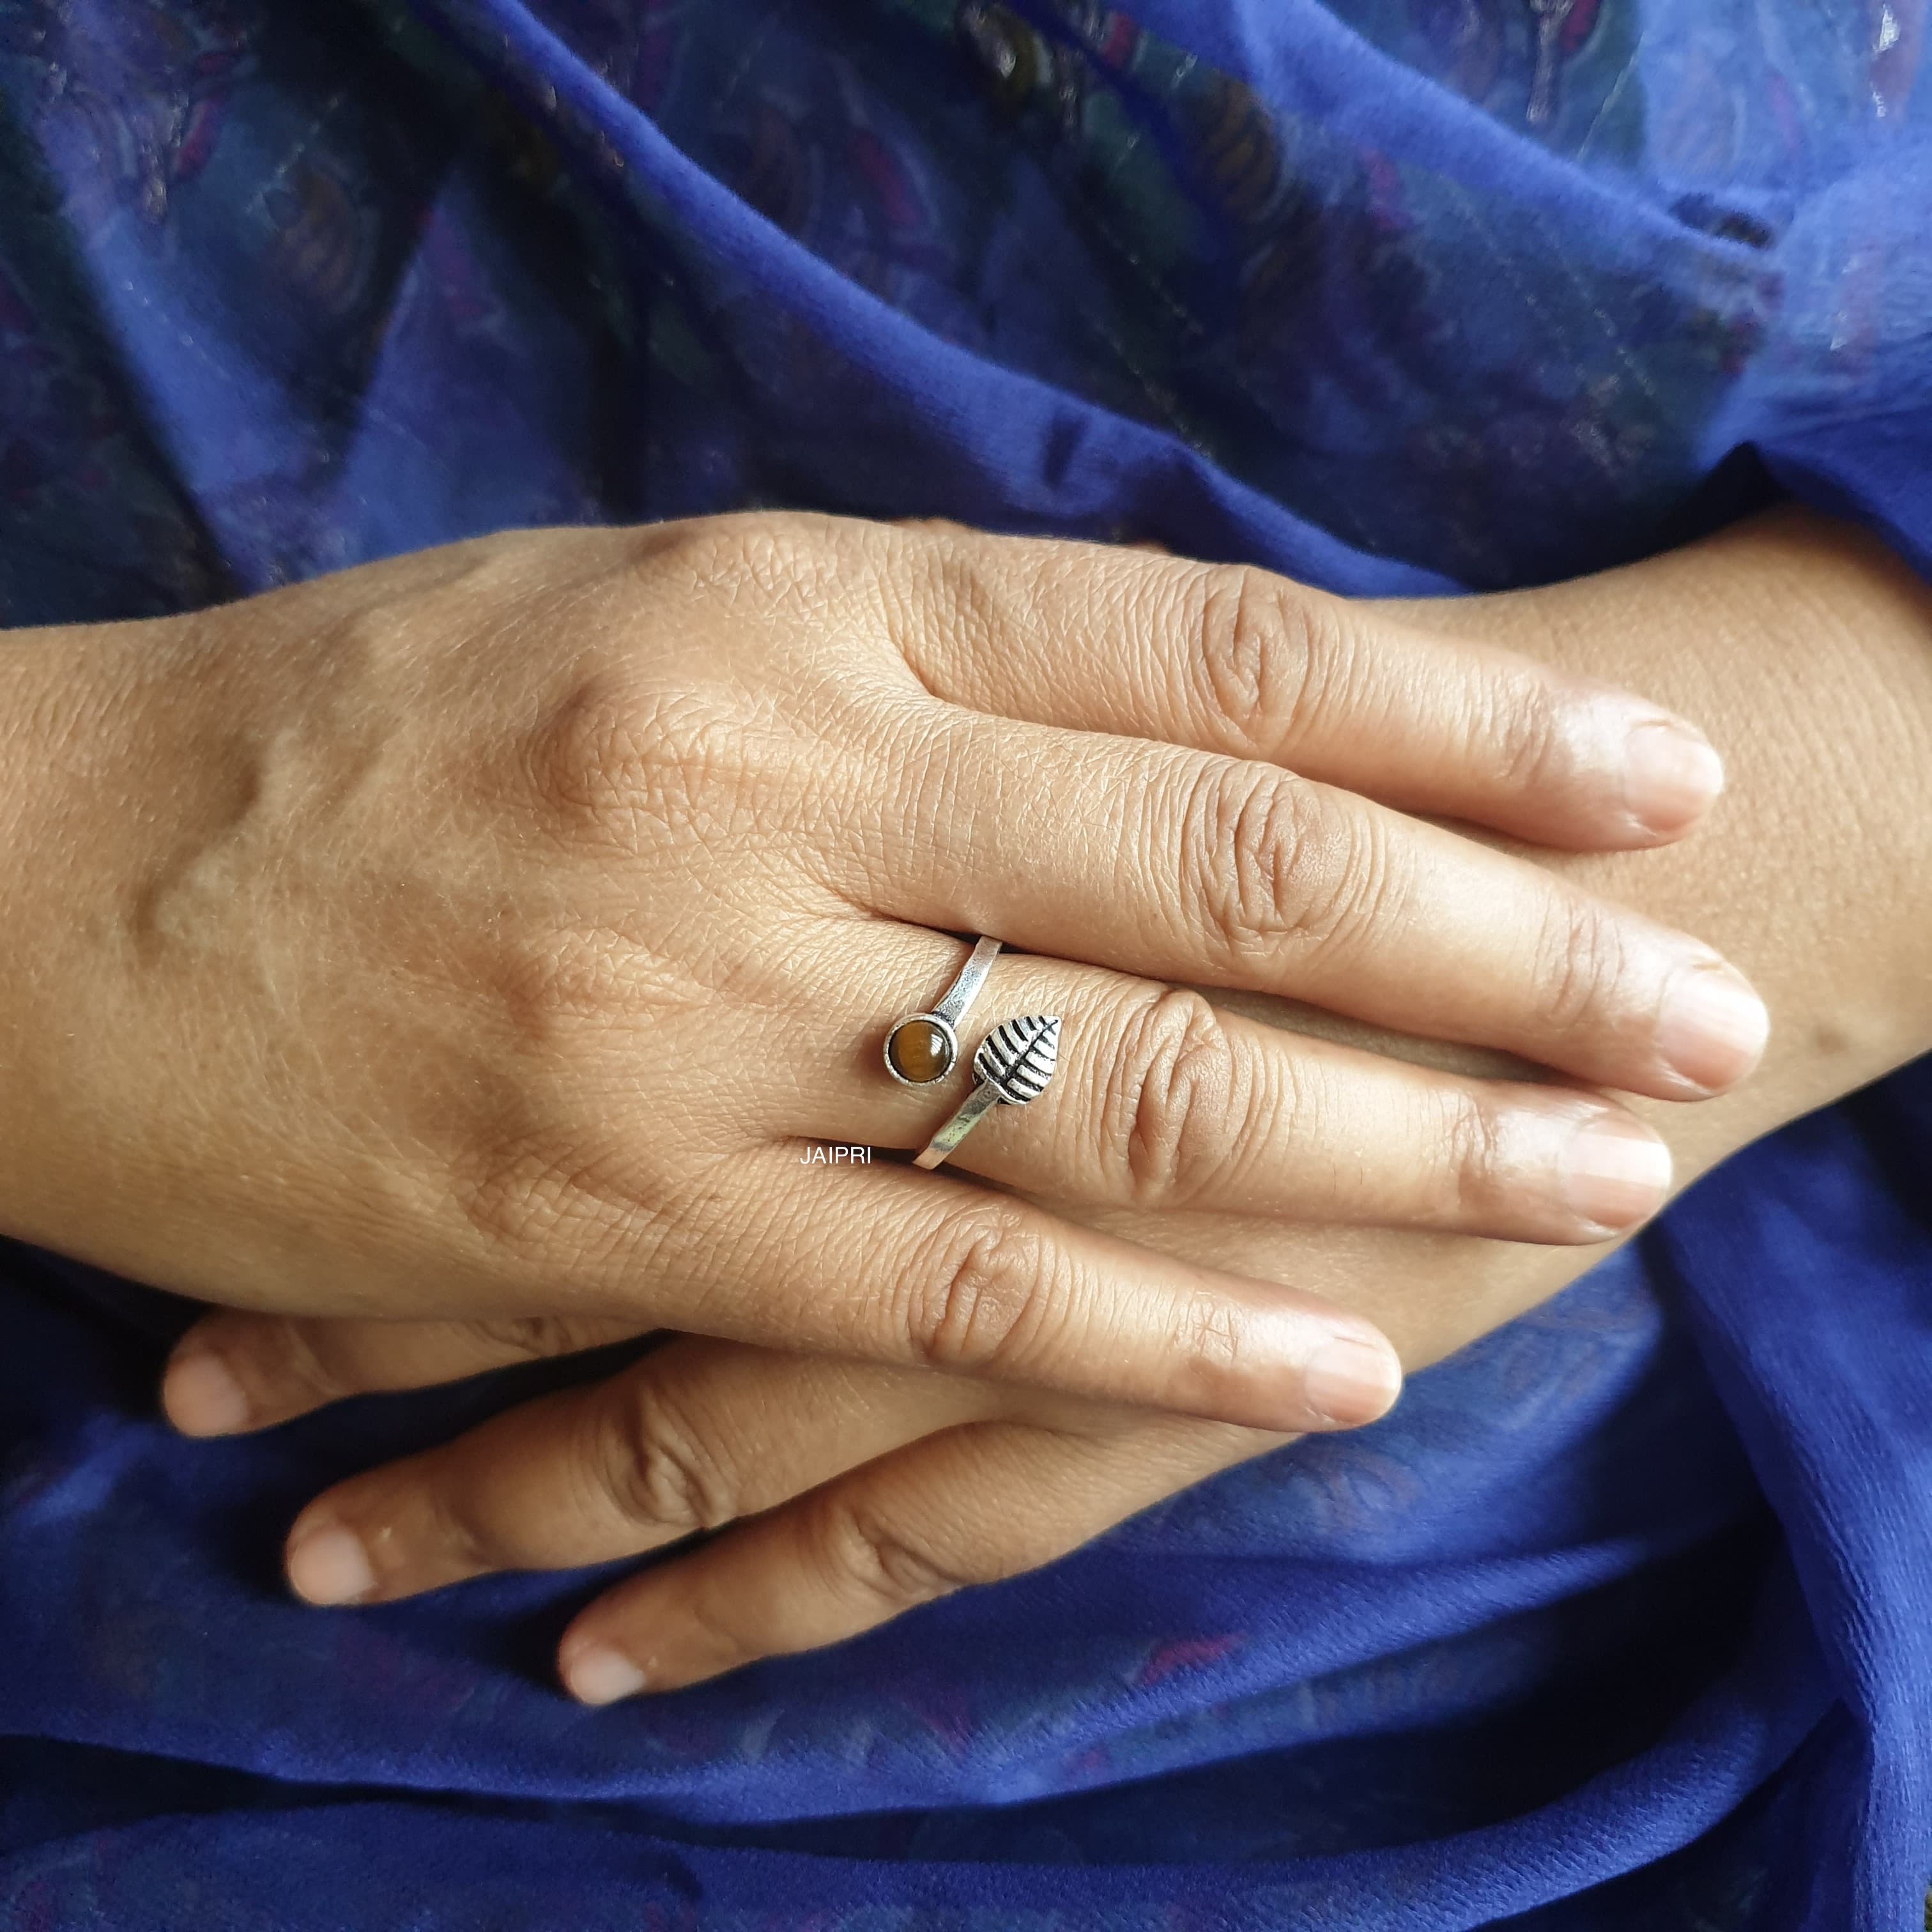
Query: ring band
{"type": "Point", "coordinates": [1014, 1063]}
{"type": "Point", "coordinates": [921, 1048]}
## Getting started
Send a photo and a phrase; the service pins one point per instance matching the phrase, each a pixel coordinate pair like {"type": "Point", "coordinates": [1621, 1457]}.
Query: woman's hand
{"type": "Point", "coordinates": [857, 1490]}
{"type": "Point", "coordinates": [481, 933]}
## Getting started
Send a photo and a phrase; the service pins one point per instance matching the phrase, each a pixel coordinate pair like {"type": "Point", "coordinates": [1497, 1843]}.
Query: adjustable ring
{"type": "Point", "coordinates": [924, 1047]}
{"type": "Point", "coordinates": [1015, 1062]}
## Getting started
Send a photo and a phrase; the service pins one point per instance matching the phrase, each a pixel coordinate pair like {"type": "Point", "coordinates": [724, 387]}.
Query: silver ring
{"type": "Point", "coordinates": [1014, 1063]}
{"type": "Point", "coordinates": [924, 1047]}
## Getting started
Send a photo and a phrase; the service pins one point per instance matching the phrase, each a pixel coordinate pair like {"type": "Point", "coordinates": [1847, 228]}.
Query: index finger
{"type": "Point", "coordinates": [1238, 660]}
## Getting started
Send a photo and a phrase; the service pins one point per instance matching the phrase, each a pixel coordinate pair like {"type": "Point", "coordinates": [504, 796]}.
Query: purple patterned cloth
{"type": "Point", "coordinates": [1619, 1621]}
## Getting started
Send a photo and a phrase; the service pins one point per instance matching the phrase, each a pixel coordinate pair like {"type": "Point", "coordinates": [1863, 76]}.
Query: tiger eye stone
{"type": "Point", "coordinates": [919, 1052]}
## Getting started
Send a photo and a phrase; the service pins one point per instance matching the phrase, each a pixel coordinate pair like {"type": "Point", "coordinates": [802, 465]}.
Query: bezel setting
{"type": "Point", "coordinates": [943, 1026]}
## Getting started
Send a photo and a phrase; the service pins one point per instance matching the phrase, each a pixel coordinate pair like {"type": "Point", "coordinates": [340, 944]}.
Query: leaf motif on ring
{"type": "Point", "coordinates": [1017, 1058]}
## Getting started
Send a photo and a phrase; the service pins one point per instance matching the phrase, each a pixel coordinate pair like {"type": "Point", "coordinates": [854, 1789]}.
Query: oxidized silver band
{"type": "Point", "coordinates": [924, 1047]}
{"type": "Point", "coordinates": [1014, 1063]}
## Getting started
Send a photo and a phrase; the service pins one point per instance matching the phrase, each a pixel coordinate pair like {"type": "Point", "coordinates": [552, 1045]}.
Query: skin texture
{"type": "Point", "coordinates": [478, 935]}
{"type": "Point", "coordinates": [855, 1491]}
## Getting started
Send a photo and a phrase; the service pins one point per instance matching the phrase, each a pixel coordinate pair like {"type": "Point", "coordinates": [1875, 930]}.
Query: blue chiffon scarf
{"type": "Point", "coordinates": [1618, 1621]}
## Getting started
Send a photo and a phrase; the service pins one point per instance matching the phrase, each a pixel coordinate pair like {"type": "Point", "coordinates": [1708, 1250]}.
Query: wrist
{"type": "Point", "coordinates": [1804, 648]}
{"type": "Point", "coordinates": [72, 811]}
{"type": "Point", "coordinates": [36, 744]}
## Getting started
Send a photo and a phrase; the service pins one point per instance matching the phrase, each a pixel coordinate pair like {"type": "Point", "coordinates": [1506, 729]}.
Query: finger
{"type": "Point", "coordinates": [974, 1505]}
{"type": "Point", "coordinates": [234, 1371]}
{"type": "Point", "coordinates": [693, 1436]}
{"type": "Point", "coordinates": [924, 1271]}
{"type": "Point", "coordinates": [1183, 866]}
{"type": "Point", "coordinates": [1233, 659]}
{"type": "Point", "coordinates": [918, 1270]}
{"type": "Point", "coordinates": [1163, 1100]}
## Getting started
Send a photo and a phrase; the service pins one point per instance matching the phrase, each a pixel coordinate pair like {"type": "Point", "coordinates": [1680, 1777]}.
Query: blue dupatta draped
{"type": "Point", "coordinates": [1620, 1619]}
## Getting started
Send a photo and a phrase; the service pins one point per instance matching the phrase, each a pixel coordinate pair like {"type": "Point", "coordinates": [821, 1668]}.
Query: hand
{"type": "Point", "coordinates": [856, 1491]}
{"type": "Point", "coordinates": [479, 933]}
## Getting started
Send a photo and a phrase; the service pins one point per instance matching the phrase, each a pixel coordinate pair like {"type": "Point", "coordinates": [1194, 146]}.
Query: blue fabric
{"type": "Point", "coordinates": [1619, 1620]}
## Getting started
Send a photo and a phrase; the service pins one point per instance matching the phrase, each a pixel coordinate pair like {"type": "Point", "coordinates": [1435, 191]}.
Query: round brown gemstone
{"type": "Point", "coordinates": [919, 1051]}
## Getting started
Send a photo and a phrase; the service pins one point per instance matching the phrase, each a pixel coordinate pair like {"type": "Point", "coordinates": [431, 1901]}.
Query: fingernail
{"type": "Point", "coordinates": [1351, 1381]}
{"type": "Point", "coordinates": [1614, 1172]}
{"type": "Point", "coordinates": [1712, 1028]}
{"type": "Point", "coordinates": [598, 1674]}
{"type": "Point", "coordinates": [328, 1564]}
{"type": "Point", "coordinates": [1671, 775]}
{"type": "Point", "coordinates": [201, 1396]}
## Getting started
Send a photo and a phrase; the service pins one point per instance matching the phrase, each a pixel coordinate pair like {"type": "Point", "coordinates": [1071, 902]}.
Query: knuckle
{"type": "Point", "coordinates": [1525, 731]}
{"type": "Point", "coordinates": [518, 1201]}
{"type": "Point", "coordinates": [548, 983]}
{"type": "Point", "coordinates": [980, 1293]}
{"type": "Point", "coordinates": [1171, 1097]}
{"type": "Point", "coordinates": [291, 1364]}
{"type": "Point", "coordinates": [1471, 1157]}
{"type": "Point", "coordinates": [535, 1212]}
{"type": "Point", "coordinates": [1269, 655]}
{"type": "Point", "coordinates": [773, 562]}
{"type": "Point", "coordinates": [723, 1628]}
{"type": "Point", "coordinates": [943, 596]}
{"type": "Point", "coordinates": [660, 1470]}
{"type": "Point", "coordinates": [454, 1530]}
{"type": "Point", "coordinates": [1267, 864]}
{"type": "Point", "coordinates": [1208, 1334]}
{"type": "Point", "coordinates": [540, 1338]}
{"type": "Point", "coordinates": [1581, 956]}
{"type": "Point", "coordinates": [620, 758]}
{"type": "Point", "coordinates": [868, 1557]}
